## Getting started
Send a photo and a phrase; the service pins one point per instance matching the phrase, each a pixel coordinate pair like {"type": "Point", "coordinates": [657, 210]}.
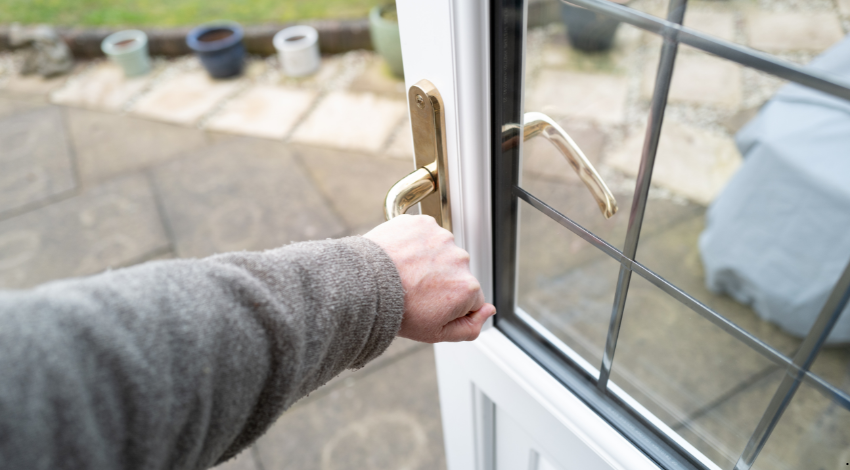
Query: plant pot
{"type": "Point", "coordinates": [385, 37]}
{"type": "Point", "coordinates": [587, 30]}
{"type": "Point", "coordinates": [128, 49]}
{"type": "Point", "coordinates": [220, 48]}
{"type": "Point", "coordinates": [298, 50]}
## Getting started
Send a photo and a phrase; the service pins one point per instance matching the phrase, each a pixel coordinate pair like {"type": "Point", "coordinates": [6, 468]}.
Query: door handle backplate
{"type": "Point", "coordinates": [428, 185]}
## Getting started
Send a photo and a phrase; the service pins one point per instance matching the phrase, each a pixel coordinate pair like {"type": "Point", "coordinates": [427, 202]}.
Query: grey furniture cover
{"type": "Point", "coordinates": [778, 236]}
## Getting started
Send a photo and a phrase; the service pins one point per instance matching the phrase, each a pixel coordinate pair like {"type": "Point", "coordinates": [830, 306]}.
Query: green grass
{"type": "Point", "coordinates": [177, 12]}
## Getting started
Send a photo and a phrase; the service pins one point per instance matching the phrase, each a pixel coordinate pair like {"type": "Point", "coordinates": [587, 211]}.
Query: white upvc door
{"type": "Point", "coordinates": [500, 408]}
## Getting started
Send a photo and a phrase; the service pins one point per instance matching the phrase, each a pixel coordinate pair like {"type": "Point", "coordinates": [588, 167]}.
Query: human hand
{"type": "Point", "coordinates": [442, 300]}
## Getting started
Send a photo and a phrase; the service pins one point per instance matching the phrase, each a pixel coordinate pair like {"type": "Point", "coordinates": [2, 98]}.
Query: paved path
{"type": "Point", "coordinates": [85, 190]}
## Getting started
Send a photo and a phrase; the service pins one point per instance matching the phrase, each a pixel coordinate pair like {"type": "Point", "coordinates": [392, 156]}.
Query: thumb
{"type": "Point", "coordinates": [468, 327]}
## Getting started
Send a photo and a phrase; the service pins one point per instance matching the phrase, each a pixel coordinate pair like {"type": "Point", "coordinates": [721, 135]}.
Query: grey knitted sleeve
{"type": "Point", "coordinates": [180, 364]}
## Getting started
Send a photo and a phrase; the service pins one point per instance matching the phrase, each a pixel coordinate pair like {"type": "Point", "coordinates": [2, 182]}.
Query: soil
{"type": "Point", "coordinates": [215, 35]}
{"type": "Point", "coordinates": [294, 38]}
{"type": "Point", "coordinates": [124, 43]}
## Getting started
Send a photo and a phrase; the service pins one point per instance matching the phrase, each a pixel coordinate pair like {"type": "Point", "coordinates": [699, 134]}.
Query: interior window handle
{"type": "Point", "coordinates": [538, 124]}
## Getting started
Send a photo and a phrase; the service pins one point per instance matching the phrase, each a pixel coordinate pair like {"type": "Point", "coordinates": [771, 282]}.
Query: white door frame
{"type": "Point", "coordinates": [447, 42]}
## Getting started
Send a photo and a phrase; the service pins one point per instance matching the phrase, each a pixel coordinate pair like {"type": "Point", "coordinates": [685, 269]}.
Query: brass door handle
{"type": "Point", "coordinates": [535, 124]}
{"type": "Point", "coordinates": [410, 190]}
{"type": "Point", "coordinates": [429, 183]}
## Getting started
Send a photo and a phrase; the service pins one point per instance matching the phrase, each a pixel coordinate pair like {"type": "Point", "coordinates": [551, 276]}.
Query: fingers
{"type": "Point", "coordinates": [468, 327]}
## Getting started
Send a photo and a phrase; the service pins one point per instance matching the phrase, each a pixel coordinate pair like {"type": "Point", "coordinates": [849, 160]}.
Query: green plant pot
{"type": "Point", "coordinates": [385, 38]}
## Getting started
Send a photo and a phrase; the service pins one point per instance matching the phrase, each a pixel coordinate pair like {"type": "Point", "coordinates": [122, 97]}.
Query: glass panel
{"type": "Point", "coordinates": [792, 29]}
{"type": "Point", "coordinates": [759, 166]}
{"type": "Point", "coordinates": [590, 95]}
{"type": "Point", "coordinates": [565, 283]}
{"type": "Point", "coordinates": [686, 370]}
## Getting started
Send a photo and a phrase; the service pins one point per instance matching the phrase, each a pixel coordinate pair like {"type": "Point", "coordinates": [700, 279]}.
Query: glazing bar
{"type": "Point", "coordinates": [829, 390]}
{"type": "Point", "coordinates": [676, 14]}
{"type": "Point", "coordinates": [803, 359]}
{"type": "Point", "coordinates": [724, 49]}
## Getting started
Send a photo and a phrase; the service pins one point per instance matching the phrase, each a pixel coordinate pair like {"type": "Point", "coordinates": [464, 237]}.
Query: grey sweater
{"type": "Point", "coordinates": [181, 364]}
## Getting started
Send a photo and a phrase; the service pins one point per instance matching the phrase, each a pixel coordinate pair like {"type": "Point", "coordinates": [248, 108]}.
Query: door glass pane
{"type": "Point", "coordinates": [565, 283]}
{"type": "Point", "coordinates": [743, 235]}
{"type": "Point", "coordinates": [683, 369]}
{"type": "Point", "coordinates": [814, 432]}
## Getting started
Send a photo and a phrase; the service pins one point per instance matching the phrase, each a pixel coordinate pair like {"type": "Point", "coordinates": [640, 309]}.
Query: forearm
{"type": "Point", "coordinates": [172, 364]}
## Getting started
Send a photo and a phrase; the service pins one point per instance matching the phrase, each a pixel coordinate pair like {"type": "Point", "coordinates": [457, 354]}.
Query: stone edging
{"type": "Point", "coordinates": [335, 36]}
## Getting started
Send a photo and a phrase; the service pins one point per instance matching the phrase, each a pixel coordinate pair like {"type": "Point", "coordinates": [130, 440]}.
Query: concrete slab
{"type": "Point", "coordinates": [108, 226]}
{"type": "Point", "coordinates": [185, 98]}
{"type": "Point", "coordinates": [244, 461]}
{"type": "Point", "coordinates": [793, 31]}
{"type": "Point", "coordinates": [107, 145]}
{"type": "Point", "coordinates": [35, 162]}
{"type": "Point", "coordinates": [699, 79]}
{"type": "Point", "coordinates": [263, 111]}
{"type": "Point", "coordinates": [31, 84]}
{"type": "Point", "coordinates": [13, 103]}
{"type": "Point", "coordinates": [720, 24]}
{"type": "Point", "coordinates": [389, 418]}
{"type": "Point", "coordinates": [401, 144]}
{"type": "Point", "coordinates": [242, 194]}
{"type": "Point", "coordinates": [812, 433]}
{"type": "Point", "coordinates": [103, 87]}
{"type": "Point", "coordinates": [354, 184]}
{"type": "Point", "coordinates": [596, 97]}
{"type": "Point", "coordinates": [376, 78]}
{"type": "Point", "coordinates": [691, 162]}
{"type": "Point", "coordinates": [342, 120]}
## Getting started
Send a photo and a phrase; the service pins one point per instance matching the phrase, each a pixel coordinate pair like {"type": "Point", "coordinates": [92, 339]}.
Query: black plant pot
{"type": "Point", "coordinates": [220, 48]}
{"type": "Point", "coordinates": [587, 30]}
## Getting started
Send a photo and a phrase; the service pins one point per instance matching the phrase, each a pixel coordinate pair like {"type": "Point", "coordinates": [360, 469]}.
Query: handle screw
{"type": "Point", "coordinates": [420, 101]}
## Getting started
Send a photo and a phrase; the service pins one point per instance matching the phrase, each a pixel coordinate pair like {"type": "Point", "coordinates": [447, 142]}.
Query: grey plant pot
{"type": "Point", "coordinates": [386, 39]}
{"type": "Point", "coordinates": [129, 49]}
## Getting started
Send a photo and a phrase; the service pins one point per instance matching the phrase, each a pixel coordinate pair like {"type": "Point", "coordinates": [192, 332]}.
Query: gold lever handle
{"type": "Point", "coordinates": [410, 190]}
{"type": "Point", "coordinates": [540, 124]}
{"type": "Point", "coordinates": [428, 184]}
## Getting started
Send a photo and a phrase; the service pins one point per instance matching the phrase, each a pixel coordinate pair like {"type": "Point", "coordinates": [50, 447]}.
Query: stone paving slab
{"type": "Point", "coordinates": [185, 97]}
{"type": "Point", "coordinates": [387, 419]}
{"type": "Point", "coordinates": [355, 184]}
{"type": "Point", "coordinates": [844, 7]}
{"type": "Point", "coordinates": [812, 433]}
{"type": "Point", "coordinates": [264, 111]}
{"type": "Point", "coordinates": [108, 226]}
{"type": "Point", "coordinates": [401, 144]}
{"type": "Point", "coordinates": [31, 84]}
{"type": "Point", "coordinates": [376, 78]}
{"type": "Point", "coordinates": [35, 158]}
{"type": "Point", "coordinates": [13, 103]}
{"type": "Point", "coordinates": [596, 97]}
{"type": "Point", "coordinates": [793, 31]}
{"type": "Point", "coordinates": [342, 120]}
{"type": "Point", "coordinates": [246, 460]}
{"type": "Point", "coordinates": [692, 162]}
{"type": "Point", "coordinates": [107, 145]}
{"type": "Point", "coordinates": [699, 79]}
{"type": "Point", "coordinates": [104, 87]}
{"type": "Point", "coordinates": [242, 194]}
{"type": "Point", "coordinates": [720, 24]}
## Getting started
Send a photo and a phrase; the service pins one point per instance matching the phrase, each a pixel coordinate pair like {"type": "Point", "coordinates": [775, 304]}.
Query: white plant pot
{"type": "Point", "coordinates": [129, 49]}
{"type": "Point", "coordinates": [298, 50]}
